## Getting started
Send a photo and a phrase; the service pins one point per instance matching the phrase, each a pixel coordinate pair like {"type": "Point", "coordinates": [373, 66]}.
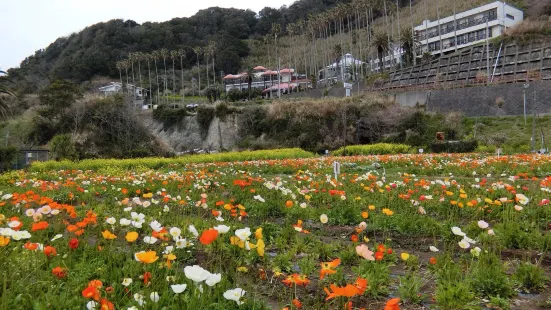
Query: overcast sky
{"type": "Point", "coordinates": [29, 25]}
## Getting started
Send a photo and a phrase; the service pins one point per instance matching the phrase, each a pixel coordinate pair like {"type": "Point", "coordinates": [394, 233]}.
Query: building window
{"type": "Point", "coordinates": [509, 16]}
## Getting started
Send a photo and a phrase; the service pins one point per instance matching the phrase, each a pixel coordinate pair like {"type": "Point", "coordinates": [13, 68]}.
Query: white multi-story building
{"type": "Point", "coordinates": [467, 28]}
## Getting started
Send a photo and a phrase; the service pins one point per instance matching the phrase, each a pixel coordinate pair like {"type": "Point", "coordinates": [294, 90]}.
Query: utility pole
{"type": "Point", "coordinates": [412, 35]}
{"type": "Point", "coordinates": [526, 85]}
{"type": "Point", "coordinates": [533, 139]}
{"type": "Point", "coordinates": [279, 78]}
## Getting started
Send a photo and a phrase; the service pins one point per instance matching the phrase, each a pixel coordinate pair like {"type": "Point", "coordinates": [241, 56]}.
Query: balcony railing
{"type": "Point", "coordinates": [459, 26]}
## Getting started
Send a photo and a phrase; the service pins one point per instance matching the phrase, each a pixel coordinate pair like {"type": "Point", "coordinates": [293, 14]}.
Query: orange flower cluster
{"type": "Point", "coordinates": [350, 290]}
{"type": "Point", "coordinates": [59, 272]}
{"type": "Point", "coordinates": [298, 227]}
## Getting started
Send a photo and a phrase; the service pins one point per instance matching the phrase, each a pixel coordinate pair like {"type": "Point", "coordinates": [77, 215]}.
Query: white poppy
{"type": "Point", "coordinates": [30, 212]}
{"type": "Point", "coordinates": [235, 295]}
{"type": "Point", "coordinates": [156, 226]}
{"type": "Point", "coordinates": [150, 240]}
{"type": "Point", "coordinates": [457, 231]}
{"type": "Point", "coordinates": [91, 305]}
{"type": "Point", "coordinates": [523, 200]}
{"type": "Point", "coordinates": [175, 232]}
{"type": "Point", "coordinates": [213, 279]}
{"type": "Point", "coordinates": [126, 281]}
{"type": "Point", "coordinates": [111, 221]}
{"type": "Point", "coordinates": [222, 229]}
{"type": "Point", "coordinates": [483, 224]}
{"type": "Point", "coordinates": [58, 236]}
{"type": "Point", "coordinates": [259, 198]}
{"type": "Point", "coordinates": [125, 222]}
{"type": "Point", "coordinates": [324, 219]}
{"type": "Point", "coordinates": [193, 231]}
{"type": "Point", "coordinates": [464, 244]}
{"type": "Point", "coordinates": [154, 296]}
{"type": "Point", "coordinates": [243, 233]}
{"type": "Point", "coordinates": [196, 273]}
{"type": "Point", "coordinates": [433, 249]}
{"type": "Point", "coordinates": [178, 288]}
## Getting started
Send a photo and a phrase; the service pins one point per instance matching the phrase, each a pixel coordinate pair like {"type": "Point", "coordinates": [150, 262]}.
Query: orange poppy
{"type": "Point", "coordinates": [297, 303]}
{"type": "Point", "coordinates": [327, 267]}
{"type": "Point", "coordinates": [50, 251]}
{"type": "Point", "coordinates": [30, 246]}
{"type": "Point", "coordinates": [432, 261]}
{"type": "Point", "coordinates": [91, 292]}
{"type": "Point", "coordinates": [208, 236]}
{"type": "Point", "coordinates": [288, 203]}
{"type": "Point", "coordinates": [106, 304]}
{"type": "Point", "coordinates": [59, 272]}
{"type": "Point", "coordinates": [393, 304]}
{"type": "Point", "coordinates": [39, 226]}
{"type": "Point", "coordinates": [379, 255]}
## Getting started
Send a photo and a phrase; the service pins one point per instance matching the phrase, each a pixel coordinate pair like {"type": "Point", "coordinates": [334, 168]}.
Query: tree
{"type": "Point", "coordinates": [5, 92]}
{"type": "Point", "coordinates": [182, 54]}
{"type": "Point", "coordinates": [58, 96]}
{"type": "Point", "coordinates": [408, 45]}
{"type": "Point", "coordinates": [173, 56]}
{"type": "Point", "coordinates": [198, 51]}
{"type": "Point", "coordinates": [63, 147]}
{"type": "Point", "coordinates": [380, 43]}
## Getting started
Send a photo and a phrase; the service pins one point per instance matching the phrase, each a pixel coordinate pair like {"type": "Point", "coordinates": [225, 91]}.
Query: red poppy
{"type": "Point", "coordinates": [91, 292]}
{"type": "Point", "coordinates": [432, 261]}
{"type": "Point", "coordinates": [354, 238]}
{"type": "Point", "coordinates": [73, 243]}
{"type": "Point", "coordinates": [381, 248]}
{"type": "Point", "coordinates": [146, 277]}
{"type": "Point", "coordinates": [389, 251]}
{"type": "Point", "coordinates": [50, 251]}
{"type": "Point", "coordinates": [379, 255]}
{"type": "Point", "coordinates": [208, 236]}
{"type": "Point", "coordinates": [297, 303]}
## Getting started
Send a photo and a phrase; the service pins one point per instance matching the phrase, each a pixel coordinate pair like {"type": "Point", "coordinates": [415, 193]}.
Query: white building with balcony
{"type": "Point", "coordinates": [467, 28]}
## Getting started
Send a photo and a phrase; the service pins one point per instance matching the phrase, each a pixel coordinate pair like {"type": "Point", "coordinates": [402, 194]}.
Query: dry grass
{"type": "Point", "coordinates": [530, 27]}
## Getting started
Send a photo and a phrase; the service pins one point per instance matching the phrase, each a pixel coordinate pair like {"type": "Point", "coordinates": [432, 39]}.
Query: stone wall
{"type": "Point", "coordinates": [504, 99]}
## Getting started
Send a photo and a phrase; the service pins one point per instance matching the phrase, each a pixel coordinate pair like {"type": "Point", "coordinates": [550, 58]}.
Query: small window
{"type": "Point", "coordinates": [509, 16]}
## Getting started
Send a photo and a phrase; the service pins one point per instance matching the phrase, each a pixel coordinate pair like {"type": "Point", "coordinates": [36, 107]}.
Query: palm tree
{"type": "Point", "coordinates": [5, 91]}
{"type": "Point", "coordinates": [276, 29]}
{"type": "Point", "coordinates": [173, 56]}
{"type": "Point", "coordinates": [198, 51]}
{"type": "Point", "coordinates": [118, 65]}
{"type": "Point", "coordinates": [164, 54]}
{"type": "Point", "coordinates": [211, 48]}
{"type": "Point", "coordinates": [408, 45]}
{"type": "Point", "coordinates": [381, 44]}
{"type": "Point", "coordinates": [182, 54]}
{"type": "Point", "coordinates": [147, 58]}
{"type": "Point", "coordinates": [155, 56]}
{"type": "Point", "coordinates": [139, 58]}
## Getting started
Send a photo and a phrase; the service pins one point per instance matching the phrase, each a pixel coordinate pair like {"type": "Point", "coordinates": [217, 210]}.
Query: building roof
{"type": "Point", "coordinates": [119, 85]}
{"type": "Point", "coordinates": [259, 68]}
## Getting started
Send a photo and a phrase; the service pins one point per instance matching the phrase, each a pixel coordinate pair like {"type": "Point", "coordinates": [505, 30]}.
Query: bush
{"type": "Point", "coordinates": [168, 115]}
{"type": "Point", "coordinates": [373, 149]}
{"type": "Point", "coordinates": [455, 296]}
{"type": "Point", "coordinates": [455, 147]}
{"type": "Point", "coordinates": [7, 156]}
{"type": "Point", "coordinates": [234, 94]}
{"type": "Point", "coordinates": [63, 147]}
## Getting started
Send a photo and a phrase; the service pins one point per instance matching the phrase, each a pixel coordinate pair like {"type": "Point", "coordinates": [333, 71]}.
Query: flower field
{"type": "Point", "coordinates": [390, 232]}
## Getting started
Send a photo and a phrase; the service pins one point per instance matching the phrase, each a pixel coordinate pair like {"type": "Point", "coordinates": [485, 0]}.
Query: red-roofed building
{"type": "Point", "coordinates": [268, 80]}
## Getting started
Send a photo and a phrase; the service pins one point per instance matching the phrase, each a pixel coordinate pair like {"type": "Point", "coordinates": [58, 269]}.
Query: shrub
{"type": "Point", "coordinates": [455, 147]}
{"type": "Point", "coordinates": [7, 156]}
{"type": "Point", "coordinates": [531, 278]}
{"type": "Point", "coordinates": [168, 115]}
{"type": "Point", "coordinates": [63, 147]}
{"type": "Point", "coordinates": [372, 149]}
{"type": "Point", "coordinates": [234, 94]}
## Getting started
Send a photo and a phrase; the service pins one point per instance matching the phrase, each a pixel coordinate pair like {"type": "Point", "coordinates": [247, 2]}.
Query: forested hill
{"type": "Point", "coordinates": [95, 50]}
